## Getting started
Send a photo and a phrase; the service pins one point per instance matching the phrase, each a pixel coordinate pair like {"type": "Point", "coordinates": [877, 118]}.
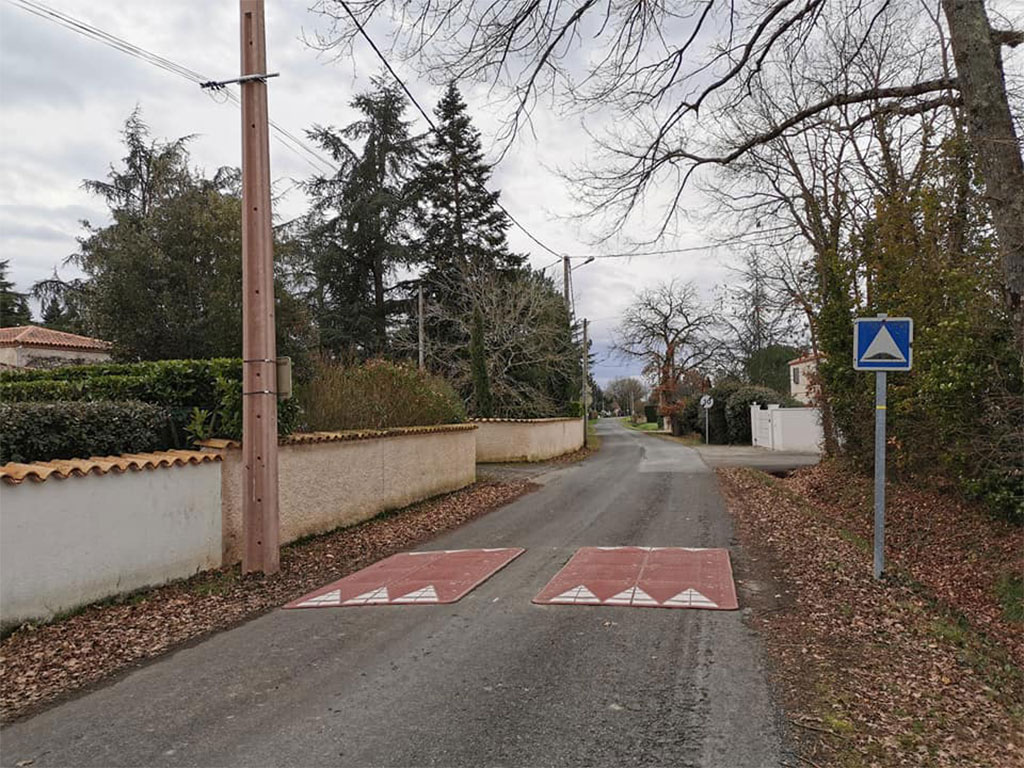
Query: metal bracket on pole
{"type": "Point", "coordinates": [217, 85]}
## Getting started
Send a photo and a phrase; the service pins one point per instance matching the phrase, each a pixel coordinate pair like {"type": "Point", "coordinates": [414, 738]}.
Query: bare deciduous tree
{"type": "Point", "coordinates": [669, 71]}
{"type": "Point", "coordinates": [532, 365]}
{"type": "Point", "coordinates": [628, 392]}
{"type": "Point", "coordinates": [671, 331]}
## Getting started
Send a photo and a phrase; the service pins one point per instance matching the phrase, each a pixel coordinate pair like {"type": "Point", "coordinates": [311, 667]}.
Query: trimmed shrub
{"type": "Point", "coordinates": [77, 429]}
{"type": "Point", "coordinates": [182, 387]}
{"type": "Point", "coordinates": [737, 410]}
{"type": "Point", "coordinates": [377, 395]}
{"type": "Point", "coordinates": [717, 425]}
{"type": "Point", "coordinates": [689, 416]}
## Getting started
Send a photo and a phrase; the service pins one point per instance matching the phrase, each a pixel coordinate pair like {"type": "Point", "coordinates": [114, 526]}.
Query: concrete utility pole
{"type": "Point", "coordinates": [565, 282]}
{"type": "Point", "coordinates": [583, 390]}
{"type": "Point", "coordinates": [260, 524]}
{"type": "Point", "coordinates": [422, 335]}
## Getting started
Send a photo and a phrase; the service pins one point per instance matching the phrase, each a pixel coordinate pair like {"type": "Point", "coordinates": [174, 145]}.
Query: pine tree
{"type": "Point", "coordinates": [14, 309]}
{"type": "Point", "coordinates": [164, 278]}
{"type": "Point", "coordinates": [53, 314]}
{"type": "Point", "coordinates": [463, 229]}
{"type": "Point", "coordinates": [355, 235]}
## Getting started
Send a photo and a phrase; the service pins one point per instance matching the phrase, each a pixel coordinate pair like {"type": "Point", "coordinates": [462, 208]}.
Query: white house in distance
{"type": "Point", "coordinates": [800, 372]}
{"type": "Point", "coordinates": [29, 346]}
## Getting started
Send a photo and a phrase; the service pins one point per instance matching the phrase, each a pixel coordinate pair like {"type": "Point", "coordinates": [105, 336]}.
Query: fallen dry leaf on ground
{"type": "Point", "coordinates": [902, 673]}
{"type": "Point", "coordinates": [40, 663]}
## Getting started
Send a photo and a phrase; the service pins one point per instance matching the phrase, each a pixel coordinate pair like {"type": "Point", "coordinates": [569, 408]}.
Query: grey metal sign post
{"type": "Point", "coordinates": [881, 344]}
{"type": "Point", "coordinates": [880, 398]}
{"type": "Point", "coordinates": [706, 401]}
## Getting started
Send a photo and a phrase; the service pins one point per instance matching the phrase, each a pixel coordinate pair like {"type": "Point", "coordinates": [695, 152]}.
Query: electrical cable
{"type": "Point", "coordinates": [430, 122]}
{"type": "Point", "coordinates": [283, 136]}
{"type": "Point", "coordinates": [380, 55]}
{"type": "Point", "coordinates": [286, 138]}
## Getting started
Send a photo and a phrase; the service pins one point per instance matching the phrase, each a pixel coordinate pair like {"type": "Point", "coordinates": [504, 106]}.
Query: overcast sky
{"type": "Point", "coordinates": [64, 99]}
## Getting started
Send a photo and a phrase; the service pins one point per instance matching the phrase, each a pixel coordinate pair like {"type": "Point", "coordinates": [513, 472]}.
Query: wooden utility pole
{"type": "Point", "coordinates": [259, 349]}
{"type": "Point", "coordinates": [422, 334]}
{"type": "Point", "coordinates": [583, 391]}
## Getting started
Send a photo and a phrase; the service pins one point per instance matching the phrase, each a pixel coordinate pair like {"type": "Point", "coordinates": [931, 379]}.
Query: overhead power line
{"type": "Point", "coordinates": [430, 121]}
{"type": "Point", "coordinates": [631, 254]}
{"type": "Point", "coordinates": [284, 137]}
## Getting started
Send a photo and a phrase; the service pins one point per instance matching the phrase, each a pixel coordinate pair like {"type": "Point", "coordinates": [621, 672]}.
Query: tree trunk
{"type": "Point", "coordinates": [380, 310]}
{"type": "Point", "coordinates": [979, 66]}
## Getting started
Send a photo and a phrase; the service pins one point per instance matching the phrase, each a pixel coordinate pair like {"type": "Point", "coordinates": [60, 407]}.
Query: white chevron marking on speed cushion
{"type": "Point", "coordinates": [328, 598]}
{"type": "Point", "coordinates": [691, 598]}
{"type": "Point", "coordinates": [631, 596]}
{"type": "Point", "coordinates": [379, 595]}
{"type": "Point", "coordinates": [578, 594]}
{"type": "Point", "coordinates": [426, 595]}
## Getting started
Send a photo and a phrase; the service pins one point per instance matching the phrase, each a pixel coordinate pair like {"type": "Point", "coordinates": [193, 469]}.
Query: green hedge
{"type": "Point", "coordinates": [378, 395]}
{"type": "Point", "coordinates": [203, 398]}
{"type": "Point", "coordinates": [77, 429]}
{"type": "Point", "coordinates": [737, 410]}
{"type": "Point", "coordinates": [717, 424]}
{"type": "Point", "coordinates": [175, 383]}
{"type": "Point", "coordinates": [689, 415]}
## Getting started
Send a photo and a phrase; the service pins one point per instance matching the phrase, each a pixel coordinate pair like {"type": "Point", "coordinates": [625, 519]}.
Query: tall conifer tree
{"type": "Point", "coordinates": [463, 229]}
{"type": "Point", "coordinates": [14, 309]}
{"type": "Point", "coordinates": [355, 235]}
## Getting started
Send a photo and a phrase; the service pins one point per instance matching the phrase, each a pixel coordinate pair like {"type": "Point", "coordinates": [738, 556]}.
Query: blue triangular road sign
{"type": "Point", "coordinates": [883, 344]}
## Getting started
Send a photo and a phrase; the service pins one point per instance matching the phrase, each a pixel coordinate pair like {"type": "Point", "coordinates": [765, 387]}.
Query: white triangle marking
{"type": "Point", "coordinates": [623, 598]}
{"type": "Point", "coordinates": [883, 347]}
{"type": "Point", "coordinates": [691, 598]}
{"type": "Point", "coordinates": [426, 595]}
{"type": "Point", "coordinates": [577, 595]}
{"type": "Point", "coordinates": [374, 597]}
{"type": "Point", "coordinates": [642, 598]}
{"type": "Point", "coordinates": [328, 598]}
{"type": "Point", "coordinates": [631, 596]}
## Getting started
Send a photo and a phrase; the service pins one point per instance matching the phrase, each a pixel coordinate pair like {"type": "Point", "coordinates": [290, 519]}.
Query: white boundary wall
{"type": "Point", "coordinates": [329, 480]}
{"type": "Point", "coordinates": [68, 542]}
{"type": "Point", "coordinates": [526, 439]}
{"type": "Point", "coordinates": [786, 429]}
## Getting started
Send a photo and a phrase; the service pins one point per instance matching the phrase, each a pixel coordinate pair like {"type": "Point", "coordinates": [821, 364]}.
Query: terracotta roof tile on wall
{"type": "Point", "coordinates": [806, 359]}
{"type": "Point", "coordinates": [305, 438]}
{"type": "Point", "coordinates": [13, 473]}
{"type": "Point", "coordinates": [34, 336]}
{"type": "Point", "coordinates": [527, 421]}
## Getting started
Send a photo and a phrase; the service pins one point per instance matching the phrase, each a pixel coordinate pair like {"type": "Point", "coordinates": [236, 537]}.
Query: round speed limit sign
{"type": "Point", "coordinates": [706, 402]}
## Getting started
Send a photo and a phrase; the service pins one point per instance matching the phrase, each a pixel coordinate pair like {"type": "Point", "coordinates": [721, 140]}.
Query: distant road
{"type": "Point", "coordinates": [491, 680]}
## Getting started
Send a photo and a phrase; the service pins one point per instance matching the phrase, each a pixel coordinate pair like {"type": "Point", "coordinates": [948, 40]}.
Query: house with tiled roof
{"type": "Point", "coordinates": [30, 346]}
{"type": "Point", "coordinates": [801, 377]}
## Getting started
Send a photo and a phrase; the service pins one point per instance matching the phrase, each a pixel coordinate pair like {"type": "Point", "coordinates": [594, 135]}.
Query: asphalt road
{"type": "Point", "coordinates": [490, 680]}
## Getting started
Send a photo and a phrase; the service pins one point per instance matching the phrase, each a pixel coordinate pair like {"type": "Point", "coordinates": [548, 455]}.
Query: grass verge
{"type": "Point", "coordinates": [644, 426]}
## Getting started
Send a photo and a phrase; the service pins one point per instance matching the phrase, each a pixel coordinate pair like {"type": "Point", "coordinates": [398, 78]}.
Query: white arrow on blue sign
{"type": "Point", "coordinates": [883, 344]}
